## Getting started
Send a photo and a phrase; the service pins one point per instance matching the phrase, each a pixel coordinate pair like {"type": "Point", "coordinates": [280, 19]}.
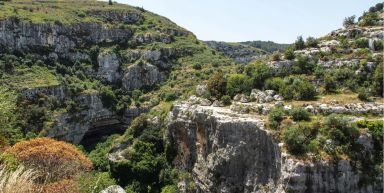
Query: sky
{"type": "Point", "coordinates": [280, 21]}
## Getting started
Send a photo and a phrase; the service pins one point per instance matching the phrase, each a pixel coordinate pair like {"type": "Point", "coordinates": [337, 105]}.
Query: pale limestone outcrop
{"type": "Point", "coordinates": [140, 75]}
{"type": "Point", "coordinates": [109, 67]}
{"type": "Point", "coordinates": [231, 152]}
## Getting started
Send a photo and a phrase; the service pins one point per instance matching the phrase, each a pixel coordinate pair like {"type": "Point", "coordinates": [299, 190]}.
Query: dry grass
{"type": "Point", "coordinates": [20, 180]}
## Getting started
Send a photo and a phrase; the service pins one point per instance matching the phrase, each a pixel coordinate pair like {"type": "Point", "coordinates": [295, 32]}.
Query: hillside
{"type": "Point", "coordinates": [113, 98]}
{"type": "Point", "coordinates": [246, 52]}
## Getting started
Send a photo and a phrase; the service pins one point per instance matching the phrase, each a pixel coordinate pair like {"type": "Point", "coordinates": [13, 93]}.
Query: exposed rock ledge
{"type": "Point", "coordinates": [228, 152]}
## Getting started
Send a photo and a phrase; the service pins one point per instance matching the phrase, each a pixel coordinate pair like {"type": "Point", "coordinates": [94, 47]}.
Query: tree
{"type": "Point", "coordinates": [217, 85]}
{"type": "Point", "coordinates": [110, 2]}
{"type": "Point", "coordinates": [55, 160]}
{"type": "Point", "coordinates": [258, 72]}
{"type": "Point", "coordinates": [312, 42]}
{"type": "Point", "coordinates": [289, 54]}
{"type": "Point", "coordinates": [238, 83]}
{"type": "Point", "coordinates": [299, 44]}
{"type": "Point", "coordinates": [349, 21]}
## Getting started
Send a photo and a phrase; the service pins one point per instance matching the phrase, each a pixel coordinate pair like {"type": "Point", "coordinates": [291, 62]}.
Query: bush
{"type": "Point", "coordinates": [94, 182]}
{"type": "Point", "coordinates": [369, 19]}
{"type": "Point", "coordinates": [349, 21]}
{"type": "Point", "coordinates": [98, 156]}
{"type": "Point", "coordinates": [274, 83]}
{"type": "Point", "coordinates": [300, 114]}
{"type": "Point", "coordinates": [259, 72]}
{"type": "Point", "coordinates": [196, 66]}
{"type": "Point", "coordinates": [108, 97]}
{"type": "Point", "coordinates": [330, 84]}
{"type": "Point", "coordinates": [289, 54]}
{"type": "Point", "coordinates": [297, 88]}
{"type": "Point", "coordinates": [63, 186]}
{"type": "Point", "coordinates": [340, 129]}
{"type": "Point", "coordinates": [238, 83]}
{"type": "Point", "coordinates": [226, 100]}
{"type": "Point", "coordinates": [217, 85]}
{"type": "Point", "coordinates": [362, 43]}
{"type": "Point", "coordinates": [299, 43]}
{"type": "Point", "coordinates": [138, 125]}
{"type": "Point", "coordinates": [378, 80]}
{"type": "Point", "coordinates": [295, 140]}
{"type": "Point", "coordinates": [312, 42]}
{"type": "Point", "coordinates": [55, 160]}
{"type": "Point", "coordinates": [170, 189]}
{"type": "Point", "coordinates": [276, 56]}
{"type": "Point", "coordinates": [275, 117]}
{"type": "Point", "coordinates": [364, 95]}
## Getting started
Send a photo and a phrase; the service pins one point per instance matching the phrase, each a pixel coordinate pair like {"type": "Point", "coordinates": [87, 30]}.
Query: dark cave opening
{"type": "Point", "coordinates": [99, 131]}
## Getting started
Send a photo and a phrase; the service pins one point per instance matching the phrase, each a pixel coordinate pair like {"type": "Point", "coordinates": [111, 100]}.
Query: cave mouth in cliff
{"type": "Point", "coordinates": [100, 131]}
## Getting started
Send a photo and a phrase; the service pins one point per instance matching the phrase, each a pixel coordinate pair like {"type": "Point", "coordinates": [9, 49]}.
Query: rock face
{"type": "Point", "coordinates": [322, 177]}
{"type": "Point", "coordinates": [142, 74]}
{"type": "Point", "coordinates": [113, 189]}
{"type": "Point", "coordinates": [224, 153]}
{"type": "Point", "coordinates": [228, 152]}
{"type": "Point", "coordinates": [56, 38]}
{"type": "Point", "coordinates": [108, 67]}
{"type": "Point", "coordinates": [73, 127]}
{"type": "Point", "coordinates": [241, 53]}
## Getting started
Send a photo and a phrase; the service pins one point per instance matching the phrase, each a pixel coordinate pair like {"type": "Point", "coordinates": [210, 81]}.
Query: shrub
{"type": "Point", "coordinates": [349, 21]}
{"type": "Point", "coordinates": [369, 19]}
{"type": "Point", "coordinates": [259, 72]}
{"type": "Point", "coordinates": [289, 54]}
{"type": "Point", "coordinates": [300, 114]}
{"type": "Point", "coordinates": [297, 88]}
{"type": "Point", "coordinates": [196, 66]}
{"type": "Point", "coordinates": [169, 189]}
{"type": "Point", "coordinates": [226, 100]}
{"type": "Point", "coordinates": [55, 160]}
{"type": "Point", "coordinates": [377, 80]}
{"type": "Point", "coordinates": [98, 156]}
{"type": "Point", "coordinates": [63, 186]}
{"type": "Point", "coordinates": [274, 83]}
{"type": "Point", "coordinates": [275, 117]}
{"type": "Point", "coordinates": [276, 56]}
{"type": "Point", "coordinates": [94, 182]}
{"type": "Point", "coordinates": [330, 84]}
{"type": "Point", "coordinates": [217, 85]}
{"type": "Point", "coordinates": [238, 83]}
{"type": "Point", "coordinates": [364, 95]}
{"type": "Point", "coordinates": [312, 42]}
{"type": "Point", "coordinates": [170, 96]}
{"type": "Point", "coordinates": [108, 97]}
{"type": "Point", "coordinates": [295, 140]}
{"type": "Point", "coordinates": [340, 129]}
{"type": "Point", "coordinates": [362, 43]}
{"type": "Point", "coordinates": [138, 125]}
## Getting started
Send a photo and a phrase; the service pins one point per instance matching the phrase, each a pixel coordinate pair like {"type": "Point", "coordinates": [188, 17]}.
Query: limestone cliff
{"type": "Point", "coordinates": [230, 152]}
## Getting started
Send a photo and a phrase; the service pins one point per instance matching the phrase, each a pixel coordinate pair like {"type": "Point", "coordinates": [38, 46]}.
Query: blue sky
{"type": "Point", "coordinates": [276, 20]}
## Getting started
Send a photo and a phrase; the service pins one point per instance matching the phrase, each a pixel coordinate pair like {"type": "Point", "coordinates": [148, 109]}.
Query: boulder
{"type": "Point", "coordinates": [114, 189]}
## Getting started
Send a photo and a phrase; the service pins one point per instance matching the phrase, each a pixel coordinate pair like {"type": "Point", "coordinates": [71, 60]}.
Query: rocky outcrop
{"type": "Point", "coordinates": [241, 53]}
{"type": "Point", "coordinates": [56, 38]}
{"type": "Point", "coordinates": [230, 152]}
{"type": "Point", "coordinates": [109, 67]}
{"type": "Point", "coordinates": [142, 74]}
{"type": "Point", "coordinates": [57, 91]}
{"type": "Point", "coordinates": [323, 177]}
{"type": "Point", "coordinates": [73, 126]}
{"type": "Point", "coordinates": [226, 153]}
{"type": "Point", "coordinates": [113, 189]}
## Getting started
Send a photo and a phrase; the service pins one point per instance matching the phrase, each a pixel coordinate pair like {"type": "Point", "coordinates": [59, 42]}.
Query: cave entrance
{"type": "Point", "coordinates": [100, 130]}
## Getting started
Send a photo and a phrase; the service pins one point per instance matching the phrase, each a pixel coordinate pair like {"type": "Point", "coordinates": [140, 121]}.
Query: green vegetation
{"type": "Point", "coordinates": [266, 45]}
